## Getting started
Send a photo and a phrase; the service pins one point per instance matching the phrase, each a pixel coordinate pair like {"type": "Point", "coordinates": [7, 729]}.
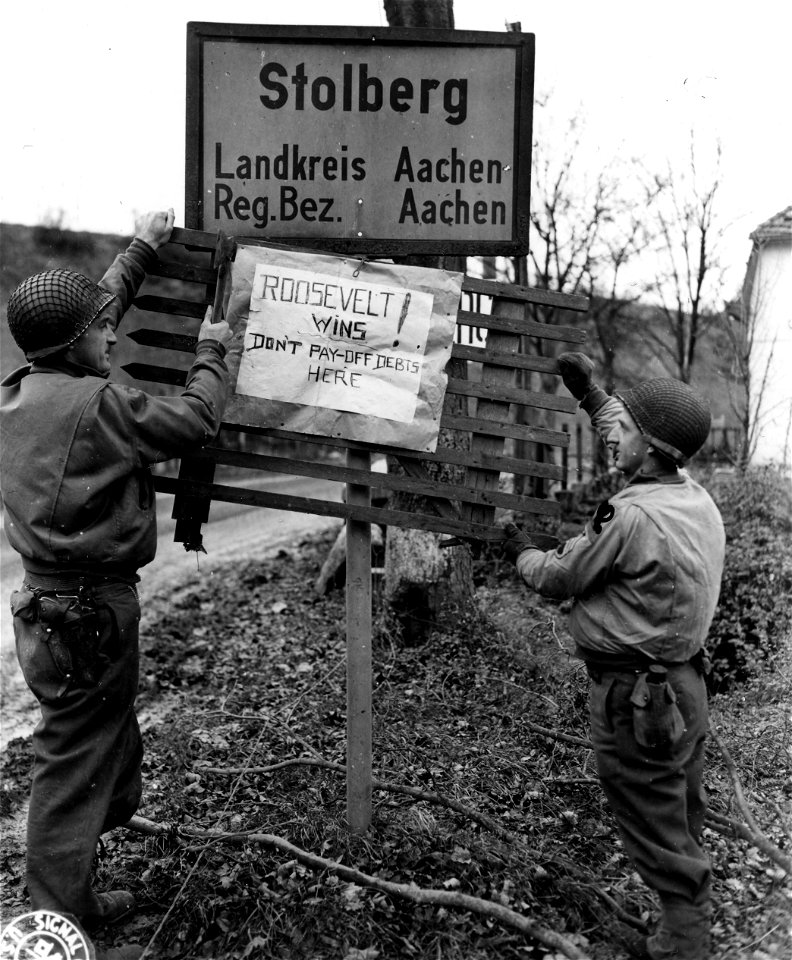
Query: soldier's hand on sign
{"type": "Point", "coordinates": [219, 331]}
{"type": "Point", "coordinates": [155, 227]}
{"type": "Point", "coordinates": [516, 542]}
{"type": "Point", "coordinates": [576, 371]}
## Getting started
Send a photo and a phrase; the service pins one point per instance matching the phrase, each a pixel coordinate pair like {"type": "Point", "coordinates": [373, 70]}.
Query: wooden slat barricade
{"type": "Point", "coordinates": [462, 510]}
{"type": "Point", "coordinates": [466, 509]}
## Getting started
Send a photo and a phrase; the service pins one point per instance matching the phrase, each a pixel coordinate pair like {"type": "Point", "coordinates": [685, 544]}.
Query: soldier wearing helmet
{"type": "Point", "coordinates": [77, 492]}
{"type": "Point", "coordinates": [644, 578]}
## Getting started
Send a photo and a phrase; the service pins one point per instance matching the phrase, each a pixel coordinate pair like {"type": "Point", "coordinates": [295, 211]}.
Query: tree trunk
{"type": "Point", "coordinates": [420, 13]}
{"type": "Point", "coordinates": [420, 577]}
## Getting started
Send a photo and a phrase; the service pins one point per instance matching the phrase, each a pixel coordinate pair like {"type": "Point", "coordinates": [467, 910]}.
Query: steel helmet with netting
{"type": "Point", "coordinates": [671, 415]}
{"type": "Point", "coordinates": [50, 310]}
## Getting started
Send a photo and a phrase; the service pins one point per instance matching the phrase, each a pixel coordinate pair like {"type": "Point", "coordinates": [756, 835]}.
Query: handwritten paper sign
{"type": "Point", "coordinates": [313, 339]}
{"type": "Point", "coordinates": [337, 346]}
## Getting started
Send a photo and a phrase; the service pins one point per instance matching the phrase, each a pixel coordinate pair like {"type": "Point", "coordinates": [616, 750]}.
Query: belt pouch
{"type": "Point", "coordinates": [657, 720]}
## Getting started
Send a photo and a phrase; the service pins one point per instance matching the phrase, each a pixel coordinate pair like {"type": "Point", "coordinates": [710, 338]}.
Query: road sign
{"type": "Point", "coordinates": [390, 141]}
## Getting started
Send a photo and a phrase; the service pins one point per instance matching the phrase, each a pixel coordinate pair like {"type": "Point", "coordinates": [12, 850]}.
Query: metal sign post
{"type": "Point", "coordinates": [358, 608]}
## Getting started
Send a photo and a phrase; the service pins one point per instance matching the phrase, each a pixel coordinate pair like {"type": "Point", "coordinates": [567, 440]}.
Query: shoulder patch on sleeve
{"type": "Point", "coordinates": [605, 512]}
{"type": "Point", "coordinates": [563, 548]}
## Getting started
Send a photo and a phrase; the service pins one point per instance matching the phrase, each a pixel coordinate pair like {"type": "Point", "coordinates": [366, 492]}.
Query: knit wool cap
{"type": "Point", "coordinates": [672, 416]}
{"type": "Point", "coordinates": [50, 310]}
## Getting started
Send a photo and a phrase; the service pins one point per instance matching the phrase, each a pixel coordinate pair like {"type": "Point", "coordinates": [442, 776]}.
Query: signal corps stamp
{"type": "Point", "coordinates": [44, 935]}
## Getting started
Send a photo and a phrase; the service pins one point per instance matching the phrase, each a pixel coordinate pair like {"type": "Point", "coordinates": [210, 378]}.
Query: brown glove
{"type": "Point", "coordinates": [576, 371]}
{"type": "Point", "coordinates": [517, 541]}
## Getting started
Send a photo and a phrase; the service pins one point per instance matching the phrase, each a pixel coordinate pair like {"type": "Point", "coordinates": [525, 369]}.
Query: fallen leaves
{"type": "Point", "coordinates": [255, 675]}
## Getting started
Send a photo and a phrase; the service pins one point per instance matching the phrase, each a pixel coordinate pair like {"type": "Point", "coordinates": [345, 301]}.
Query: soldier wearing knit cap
{"type": "Point", "coordinates": [75, 457]}
{"type": "Point", "coordinates": [644, 578]}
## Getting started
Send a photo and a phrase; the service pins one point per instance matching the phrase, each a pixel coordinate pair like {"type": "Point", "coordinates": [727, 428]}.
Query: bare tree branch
{"type": "Point", "coordinates": [727, 827]}
{"type": "Point", "coordinates": [687, 237]}
{"type": "Point", "coordinates": [444, 898]}
{"type": "Point", "coordinates": [489, 823]}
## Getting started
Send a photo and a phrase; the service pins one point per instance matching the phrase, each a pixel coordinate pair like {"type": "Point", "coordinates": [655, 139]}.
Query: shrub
{"type": "Point", "coordinates": [53, 238]}
{"type": "Point", "coordinates": [754, 615]}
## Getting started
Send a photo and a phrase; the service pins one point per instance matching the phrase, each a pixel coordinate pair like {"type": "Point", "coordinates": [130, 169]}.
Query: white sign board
{"type": "Point", "coordinates": [358, 140]}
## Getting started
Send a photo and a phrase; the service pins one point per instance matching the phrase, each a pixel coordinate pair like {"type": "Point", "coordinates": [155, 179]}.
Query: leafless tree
{"type": "Point", "coordinates": [682, 214]}
{"type": "Point", "coordinates": [586, 238]}
{"type": "Point", "coordinates": [586, 233]}
{"type": "Point", "coordinates": [420, 13]}
{"type": "Point", "coordinates": [569, 211]}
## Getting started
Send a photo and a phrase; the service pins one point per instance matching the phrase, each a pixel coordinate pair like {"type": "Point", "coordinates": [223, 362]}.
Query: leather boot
{"type": "Point", "coordinates": [114, 906]}
{"type": "Point", "coordinates": [684, 931]}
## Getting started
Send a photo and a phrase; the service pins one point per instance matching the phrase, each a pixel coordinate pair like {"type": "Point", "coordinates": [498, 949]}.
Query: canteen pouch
{"type": "Point", "coordinates": [657, 721]}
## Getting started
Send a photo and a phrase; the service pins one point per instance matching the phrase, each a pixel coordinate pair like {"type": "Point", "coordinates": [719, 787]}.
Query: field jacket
{"type": "Point", "coordinates": [645, 573]}
{"type": "Point", "coordinates": [76, 450]}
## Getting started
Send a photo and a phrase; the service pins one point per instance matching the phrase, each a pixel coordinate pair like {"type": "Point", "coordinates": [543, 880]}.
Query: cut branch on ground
{"type": "Point", "coordinates": [440, 898]}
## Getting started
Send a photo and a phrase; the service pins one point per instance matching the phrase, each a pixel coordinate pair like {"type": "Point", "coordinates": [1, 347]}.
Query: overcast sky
{"type": "Point", "coordinates": [93, 93]}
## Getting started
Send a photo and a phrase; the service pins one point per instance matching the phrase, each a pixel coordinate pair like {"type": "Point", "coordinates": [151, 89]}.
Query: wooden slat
{"type": "Point", "coordinates": [502, 428]}
{"type": "Point", "coordinates": [419, 484]}
{"type": "Point", "coordinates": [514, 359]}
{"type": "Point", "coordinates": [505, 428]}
{"type": "Point", "coordinates": [187, 272]}
{"type": "Point", "coordinates": [327, 508]}
{"type": "Point", "coordinates": [194, 239]}
{"type": "Point", "coordinates": [511, 291]}
{"type": "Point", "coordinates": [503, 464]}
{"type": "Point", "coordinates": [505, 324]}
{"type": "Point", "coordinates": [183, 308]}
{"type": "Point", "coordinates": [508, 394]}
{"type": "Point", "coordinates": [164, 340]}
{"type": "Point", "coordinates": [515, 431]}
{"type": "Point", "coordinates": [494, 461]}
{"type": "Point", "coordinates": [155, 374]}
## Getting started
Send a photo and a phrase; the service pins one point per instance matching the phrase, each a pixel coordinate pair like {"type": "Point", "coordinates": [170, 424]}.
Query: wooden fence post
{"type": "Point", "coordinates": [358, 608]}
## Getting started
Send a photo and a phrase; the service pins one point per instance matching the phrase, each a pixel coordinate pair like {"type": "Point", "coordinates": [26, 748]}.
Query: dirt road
{"type": "Point", "coordinates": [233, 531]}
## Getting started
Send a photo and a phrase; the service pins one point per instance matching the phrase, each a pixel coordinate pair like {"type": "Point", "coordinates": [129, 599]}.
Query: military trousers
{"type": "Point", "coordinates": [659, 802]}
{"type": "Point", "coordinates": [87, 745]}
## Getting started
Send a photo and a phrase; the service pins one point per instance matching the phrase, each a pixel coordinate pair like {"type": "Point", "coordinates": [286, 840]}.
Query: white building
{"type": "Point", "coordinates": [767, 301]}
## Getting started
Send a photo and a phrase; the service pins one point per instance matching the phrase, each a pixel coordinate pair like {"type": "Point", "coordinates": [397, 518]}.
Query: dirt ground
{"type": "Point", "coordinates": [480, 741]}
